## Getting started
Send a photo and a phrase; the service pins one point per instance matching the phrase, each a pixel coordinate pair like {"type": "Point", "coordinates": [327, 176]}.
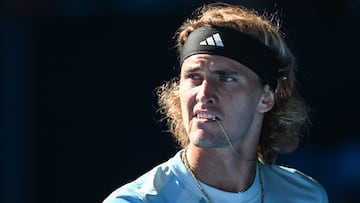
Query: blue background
{"type": "Point", "coordinates": [78, 109]}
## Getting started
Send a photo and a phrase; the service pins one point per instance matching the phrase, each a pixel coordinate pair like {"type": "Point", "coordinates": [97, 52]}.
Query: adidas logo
{"type": "Point", "coordinates": [214, 40]}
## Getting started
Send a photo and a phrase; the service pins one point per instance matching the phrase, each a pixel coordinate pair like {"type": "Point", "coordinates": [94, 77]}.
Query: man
{"type": "Point", "coordinates": [234, 107]}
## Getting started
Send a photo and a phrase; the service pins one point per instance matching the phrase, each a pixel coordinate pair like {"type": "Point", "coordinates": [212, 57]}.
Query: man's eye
{"type": "Point", "coordinates": [193, 76]}
{"type": "Point", "coordinates": [227, 78]}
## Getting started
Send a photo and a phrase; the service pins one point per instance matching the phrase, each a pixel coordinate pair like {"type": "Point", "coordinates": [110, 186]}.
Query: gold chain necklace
{"type": "Point", "coordinates": [184, 159]}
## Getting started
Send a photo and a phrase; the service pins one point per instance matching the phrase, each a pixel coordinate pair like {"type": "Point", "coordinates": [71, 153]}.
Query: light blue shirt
{"type": "Point", "coordinates": [171, 182]}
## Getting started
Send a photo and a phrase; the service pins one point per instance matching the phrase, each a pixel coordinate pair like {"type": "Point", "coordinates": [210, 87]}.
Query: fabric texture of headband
{"type": "Point", "coordinates": [235, 45]}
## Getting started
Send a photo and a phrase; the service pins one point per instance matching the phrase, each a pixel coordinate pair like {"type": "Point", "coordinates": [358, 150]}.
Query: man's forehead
{"type": "Point", "coordinates": [212, 61]}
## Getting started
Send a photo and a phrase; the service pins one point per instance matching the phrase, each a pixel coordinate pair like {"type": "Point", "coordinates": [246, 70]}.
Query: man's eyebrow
{"type": "Point", "coordinates": [225, 71]}
{"type": "Point", "coordinates": [192, 68]}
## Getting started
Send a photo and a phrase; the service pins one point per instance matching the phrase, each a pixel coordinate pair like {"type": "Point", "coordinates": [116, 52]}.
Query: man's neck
{"type": "Point", "coordinates": [221, 169]}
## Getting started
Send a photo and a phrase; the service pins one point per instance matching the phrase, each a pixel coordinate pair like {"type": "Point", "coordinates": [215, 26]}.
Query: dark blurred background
{"type": "Point", "coordinates": [78, 109]}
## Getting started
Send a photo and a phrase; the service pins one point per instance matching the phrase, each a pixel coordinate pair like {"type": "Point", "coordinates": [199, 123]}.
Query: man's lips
{"type": "Point", "coordinates": [205, 115]}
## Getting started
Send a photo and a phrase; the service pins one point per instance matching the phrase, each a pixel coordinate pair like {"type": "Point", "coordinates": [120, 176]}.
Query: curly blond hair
{"type": "Point", "coordinates": [284, 125]}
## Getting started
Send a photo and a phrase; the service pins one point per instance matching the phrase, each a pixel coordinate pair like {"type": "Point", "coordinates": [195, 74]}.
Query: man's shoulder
{"type": "Point", "coordinates": [134, 190]}
{"type": "Point", "coordinates": [289, 180]}
{"type": "Point", "coordinates": [289, 174]}
{"type": "Point", "coordinates": [149, 183]}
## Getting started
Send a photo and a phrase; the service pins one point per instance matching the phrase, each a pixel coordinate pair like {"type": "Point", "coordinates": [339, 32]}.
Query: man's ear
{"type": "Point", "coordinates": [267, 100]}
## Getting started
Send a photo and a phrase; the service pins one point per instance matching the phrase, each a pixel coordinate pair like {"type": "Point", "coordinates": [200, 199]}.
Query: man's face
{"type": "Point", "coordinates": [216, 89]}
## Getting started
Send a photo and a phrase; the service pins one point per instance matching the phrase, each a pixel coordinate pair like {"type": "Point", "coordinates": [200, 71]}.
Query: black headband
{"type": "Point", "coordinates": [235, 45]}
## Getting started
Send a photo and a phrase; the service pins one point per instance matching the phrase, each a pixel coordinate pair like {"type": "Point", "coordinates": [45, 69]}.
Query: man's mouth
{"type": "Point", "coordinates": [203, 115]}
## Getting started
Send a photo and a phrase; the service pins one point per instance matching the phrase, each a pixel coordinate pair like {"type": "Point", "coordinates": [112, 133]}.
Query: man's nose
{"type": "Point", "coordinates": [206, 92]}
